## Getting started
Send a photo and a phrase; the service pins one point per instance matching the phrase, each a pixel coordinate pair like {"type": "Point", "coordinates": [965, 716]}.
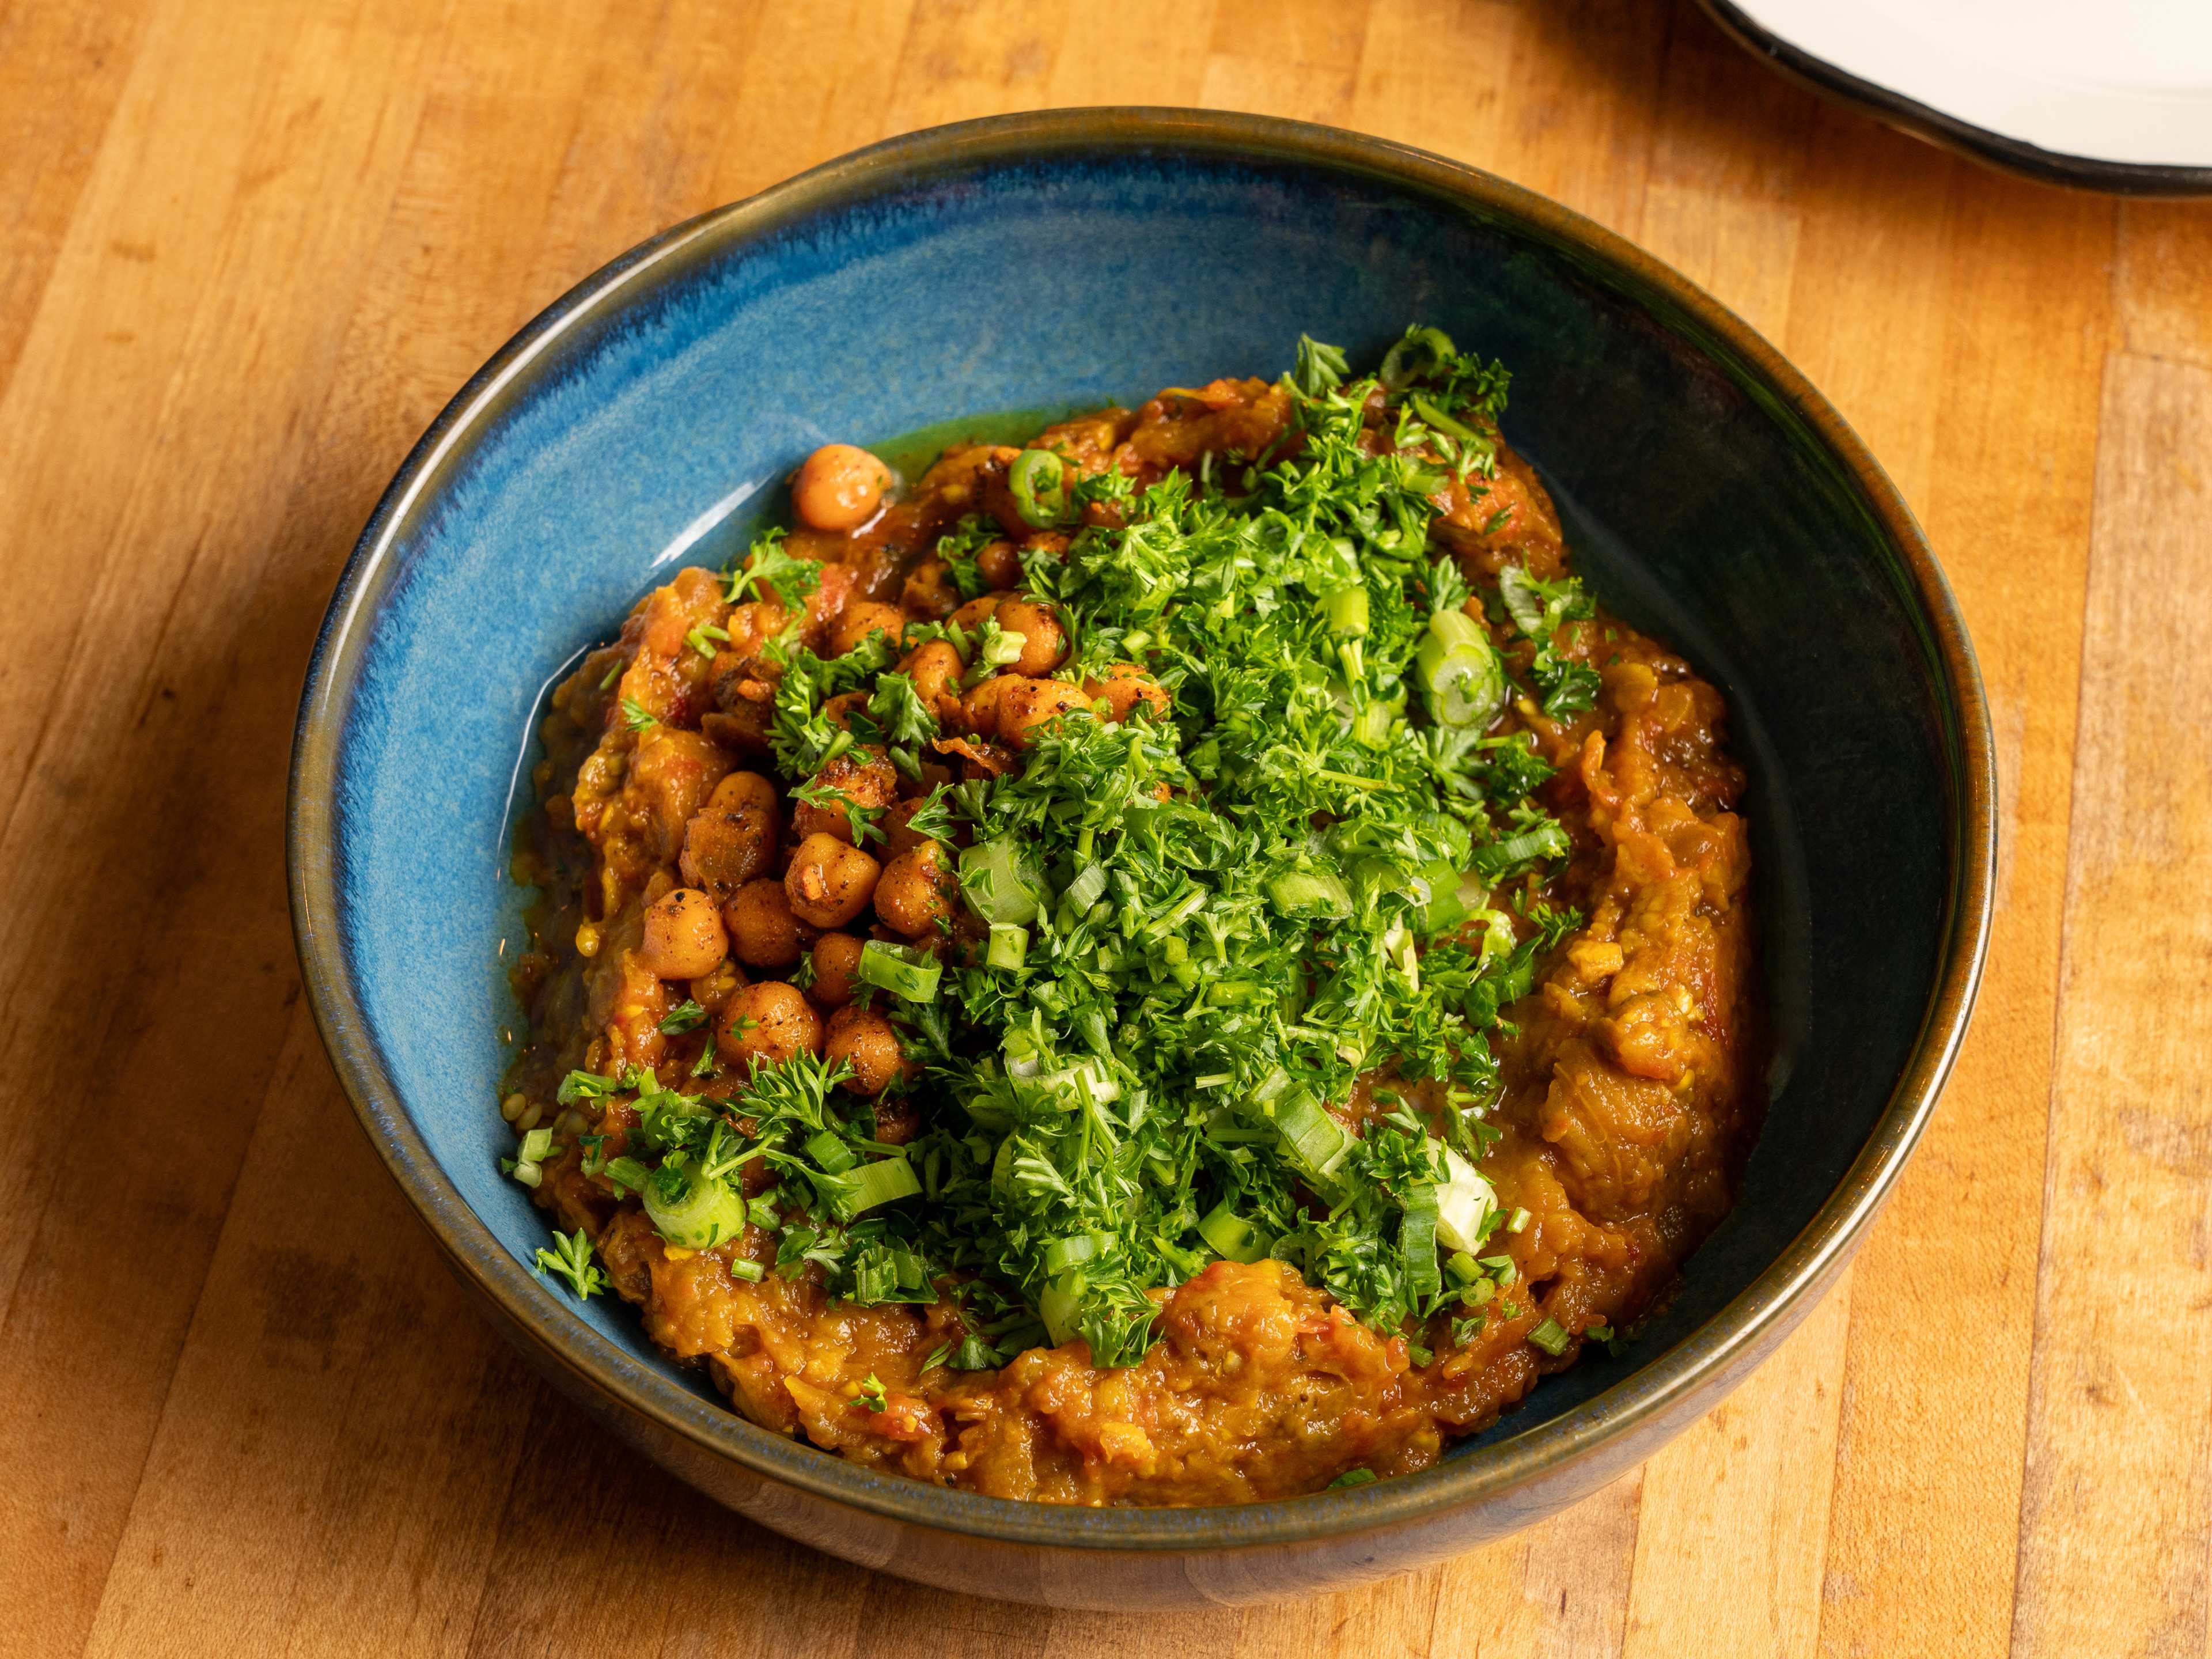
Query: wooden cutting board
{"type": "Point", "coordinates": [252, 246]}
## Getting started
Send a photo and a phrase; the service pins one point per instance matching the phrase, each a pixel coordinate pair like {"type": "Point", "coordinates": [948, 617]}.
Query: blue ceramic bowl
{"type": "Point", "coordinates": [1035, 262]}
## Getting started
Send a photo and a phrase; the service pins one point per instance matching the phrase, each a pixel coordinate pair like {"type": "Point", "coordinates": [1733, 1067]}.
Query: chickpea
{"type": "Point", "coordinates": [836, 969]}
{"type": "Point", "coordinates": [979, 708]}
{"type": "Point", "coordinates": [861, 618]}
{"type": "Point", "coordinates": [743, 790]}
{"type": "Point", "coordinates": [929, 594]}
{"type": "Point", "coordinates": [935, 669]}
{"type": "Point", "coordinates": [767, 1024]}
{"type": "Point", "coordinates": [1124, 686]}
{"type": "Point", "coordinates": [898, 837]}
{"type": "Point", "coordinates": [896, 1121]}
{"type": "Point", "coordinates": [751, 627]}
{"type": "Point", "coordinates": [683, 936]}
{"type": "Point", "coordinates": [999, 564]}
{"type": "Point", "coordinates": [862, 776]}
{"type": "Point", "coordinates": [828, 882]}
{"type": "Point", "coordinates": [672, 775]}
{"type": "Point", "coordinates": [840, 486]}
{"type": "Point", "coordinates": [917, 889]}
{"type": "Point", "coordinates": [864, 1039]}
{"type": "Point", "coordinates": [1043, 643]}
{"type": "Point", "coordinates": [764, 933]}
{"type": "Point", "coordinates": [969, 617]}
{"type": "Point", "coordinates": [1028, 706]}
{"type": "Point", "coordinates": [726, 848]}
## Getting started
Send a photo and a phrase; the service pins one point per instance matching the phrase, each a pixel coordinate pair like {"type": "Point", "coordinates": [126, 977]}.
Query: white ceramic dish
{"type": "Point", "coordinates": [2115, 98]}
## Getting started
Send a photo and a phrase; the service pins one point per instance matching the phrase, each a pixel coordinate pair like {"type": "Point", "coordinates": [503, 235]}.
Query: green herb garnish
{"type": "Point", "coordinates": [685, 1015]}
{"type": "Point", "coordinates": [570, 1258]}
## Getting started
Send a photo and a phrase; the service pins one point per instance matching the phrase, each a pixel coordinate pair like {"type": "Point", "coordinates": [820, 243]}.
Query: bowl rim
{"type": "Point", "coordinates": [1664, 1386]}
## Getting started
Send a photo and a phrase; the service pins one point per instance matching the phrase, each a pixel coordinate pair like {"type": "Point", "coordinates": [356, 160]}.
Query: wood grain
{"type": "Point", "coordinates": [254, 244]}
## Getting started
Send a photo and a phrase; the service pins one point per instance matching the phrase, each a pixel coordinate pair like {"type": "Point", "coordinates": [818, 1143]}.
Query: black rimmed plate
{"type": "Point", "coordinates": [2119, 99]}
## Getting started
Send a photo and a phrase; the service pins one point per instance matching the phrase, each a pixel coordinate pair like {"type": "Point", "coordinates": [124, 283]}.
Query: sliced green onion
{"type": "Point", "coordinates": [1448, 897]}
{"type": "Point", "coordinates": [1039, 482]}
{"type": "Point", "coordinates": [1086, 890]}
{"type": "Point", "coordinates": [884, 1181]}
{"type": "Point", "coordinates": [1001, 650]}
{"type": "Point", "coordinates": [1231, 1235]}
{"type": "Point", "coordinates": [1442, 422]}
{"type": "Point", "coordinates": [1352, 1478]}
{"type": "Point", "coordinates": [1551, 1336]}
{"type": "Point", "coordinates": [1520, 1221]}
{"type": "Point", "coordinates": [1180, 912]}
{"type": "Point", "coordinates": [1462, 1267]}
{"type": "Point", "coordinates": [1422, 352]}
{"type": "Point", "coordinates": [1373, 726]}
{"type": "Point", "coordinates": [1523, 603]}
{"type": "Point", "coordinates": [536, 1146]}
{"type": "Point", "coordinates": [999, 883]}
{"type": "Point", "coordinates": [1460, 671]}
{"type": "Point", "coordinates": [828, 1148]}
{"type": "Point", "coordinates": [905, 972]}
{"type": "Point", "coordinates": [1316, 1141]}
{"type": "Point", "coordinates": [1547, 840]}
{"type": "Point", "coordinates": [1417, 1239]}
{"type": "Point", "coordinates": [627, 1172]}
{"type": "Point", "coordinates": [1346, 611]}
{"type": "Point", "coordinates": [702, 1215]}
{"type": "Point", "coordinates": [1464, 1202]}
{"type": "Point", "coordinates": [1065, 1253]}
{"type": "Point", "coordinates": [1310, 893]}
{"type": "Point", "coordinates": [1010, 946]}
{"type": "Point", "coordinates": [1225, 1128]}
{"type": "Point", "coordinates": [745, 1268]}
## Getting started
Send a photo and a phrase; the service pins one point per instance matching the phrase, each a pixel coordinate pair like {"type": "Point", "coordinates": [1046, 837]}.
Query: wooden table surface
{"type": "Point", "coordinates": [251, 247]}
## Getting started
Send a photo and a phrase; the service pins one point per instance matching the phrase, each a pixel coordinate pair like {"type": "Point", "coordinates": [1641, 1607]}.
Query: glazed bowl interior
{"type": "Point", "coordinates": [648, 420]}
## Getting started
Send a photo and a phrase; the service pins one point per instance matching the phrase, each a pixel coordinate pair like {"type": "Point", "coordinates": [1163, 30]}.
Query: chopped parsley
{"type": "Point", "coordinates": [769, 572]}
{"type": "Point", "coordinates": [570, 1258]}
{"type": "Point", "coordinates": [1540, 610]}
{"type": "Point", "coordinates": [859, 820]}
{"type": "Point", "coordinates": [685, 1015]}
